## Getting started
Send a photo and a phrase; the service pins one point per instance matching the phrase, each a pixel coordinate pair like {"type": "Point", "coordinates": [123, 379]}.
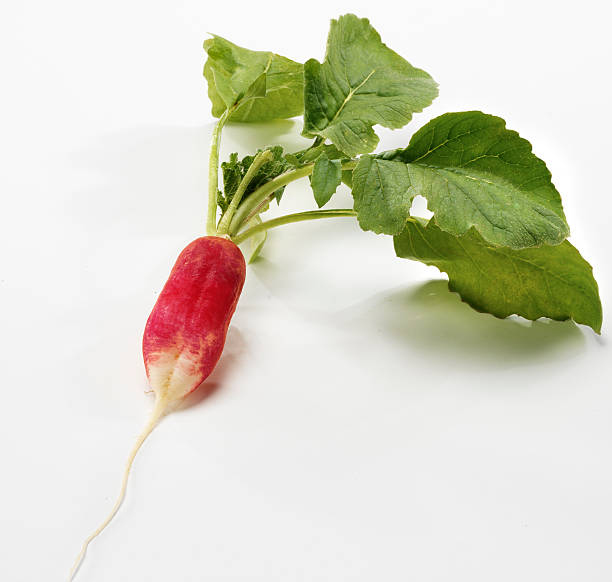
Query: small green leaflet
{"type": "Point", "coordinates": [473, 172]}
{"type": "Point", "coordinates": [265, 85]}
{"type": "Point", "coordinates": [347, 178]}
{"type": "Point", "coordinates": [234, 170]}
{"type": "Point", "coordinates": [361, 83]}
{"type": "Point", "coordinates": [325, 179]}
{"type": "Point", "coordinates": [549, 281]}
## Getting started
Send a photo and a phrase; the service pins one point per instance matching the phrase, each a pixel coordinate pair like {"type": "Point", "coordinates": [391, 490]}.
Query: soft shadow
{"type": "Point", "coordinates": [252, 136]}
{"type": "Point", "coordinates": [429, 318]}
{"type": "Point", "coordinates": [154, 179]}
{"type": "Point", "coordinates": [601, 340]}
{"type": "Point", "coordinates": [143, 180]}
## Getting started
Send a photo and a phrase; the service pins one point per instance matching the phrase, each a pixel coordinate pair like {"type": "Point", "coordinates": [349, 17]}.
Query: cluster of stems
{"type": "Point", "coordinates": [240, 212]}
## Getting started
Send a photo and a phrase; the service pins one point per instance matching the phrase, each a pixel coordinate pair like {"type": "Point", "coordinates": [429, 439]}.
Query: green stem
{"type": "Point", "coordinates": [213, 173]}
{"type": "Point", "coordinates": [290, 218]}
{"type": "Point", "coordinates": [260, 197]}
{"type": "Point", "coordinates": [260, 159]}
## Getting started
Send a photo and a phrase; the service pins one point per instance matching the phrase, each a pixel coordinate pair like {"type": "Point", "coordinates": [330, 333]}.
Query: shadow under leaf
{"type": "Point", "coordinates": [253, 136]}
{"type": "Point", "coordinates": [431, 319]}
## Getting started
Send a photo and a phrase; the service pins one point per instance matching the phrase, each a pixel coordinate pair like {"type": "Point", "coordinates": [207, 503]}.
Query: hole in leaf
{"type": "Point", "coordinates": [419, 207]}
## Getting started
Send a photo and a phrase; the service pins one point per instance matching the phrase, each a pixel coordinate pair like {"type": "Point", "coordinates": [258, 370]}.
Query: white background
{"type": "Point", "coordinates": [366, 425]}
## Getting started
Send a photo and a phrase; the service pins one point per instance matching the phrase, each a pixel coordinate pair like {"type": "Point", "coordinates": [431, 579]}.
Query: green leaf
{"type": "Point", "coordinates": [325, 179]}
{"type": "Point", "coordinates": [476, 173]}
{"type": "Point", "coordinates": [382, 194]}
{"type": "Point", "coordinates": [265, 85]}
{"type": "Point", "coordinates": [361, 83]}
{"type": "Point", "coordinates": [234, 170]}
{"type": "Point", "coordinates": [548, 281]}
{"type": "Point", "coordinates": [347, 178]}
{"type": "Point", "coordinates": [222, 203]}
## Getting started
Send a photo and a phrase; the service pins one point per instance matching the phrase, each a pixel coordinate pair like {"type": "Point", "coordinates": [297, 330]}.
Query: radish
{"type": "Point", "coordinates": [498, 228]}
{"type": "Point", "coordinates": [185, 334]}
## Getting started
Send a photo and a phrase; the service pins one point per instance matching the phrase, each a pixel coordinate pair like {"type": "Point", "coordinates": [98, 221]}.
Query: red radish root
{"type": "Point", "coordinates": [185, 334]}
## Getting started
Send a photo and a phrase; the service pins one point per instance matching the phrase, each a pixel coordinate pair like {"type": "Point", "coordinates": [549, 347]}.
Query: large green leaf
{"type": "Point", "coordinates": [382, 194]}
{"type": "Point", "coordinates": [476, 173]}
{"type": "Point", "coordinates": [548, 281]}
{"type": "Point", "coordinates": [265, 85]}
{"type": "Point", "coordinates": [361, 83]}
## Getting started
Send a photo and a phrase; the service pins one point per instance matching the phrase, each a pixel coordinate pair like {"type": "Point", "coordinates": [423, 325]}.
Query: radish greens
{"type": "Point", "coordinates": [498, 228]}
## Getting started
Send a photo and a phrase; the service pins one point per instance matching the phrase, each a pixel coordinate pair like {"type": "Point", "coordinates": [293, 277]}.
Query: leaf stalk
{"type": "Point", "coordinates": [260, 197]}
{"type": "Point", "coordinates": [292, 218]}
{"type": "Point", "coordinates": [213, 173]}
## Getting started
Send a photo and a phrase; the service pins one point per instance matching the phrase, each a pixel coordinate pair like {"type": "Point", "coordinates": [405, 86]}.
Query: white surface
{"type": "Point", "coordinates": [367, 425]}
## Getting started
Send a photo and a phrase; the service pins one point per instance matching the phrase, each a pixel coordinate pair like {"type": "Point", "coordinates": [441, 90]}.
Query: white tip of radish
{"type": "Point", "coordinates": [174, 373]}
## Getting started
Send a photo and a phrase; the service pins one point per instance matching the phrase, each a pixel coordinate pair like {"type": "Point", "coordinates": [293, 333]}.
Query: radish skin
{"type": "Point", "coordinates": [186, 330]}
{"type": "Point", "coordinates": [184, 335]}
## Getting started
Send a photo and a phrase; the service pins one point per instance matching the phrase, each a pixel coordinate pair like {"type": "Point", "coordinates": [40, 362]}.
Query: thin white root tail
{"type": "Point", "coordinates": [157, 412]}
